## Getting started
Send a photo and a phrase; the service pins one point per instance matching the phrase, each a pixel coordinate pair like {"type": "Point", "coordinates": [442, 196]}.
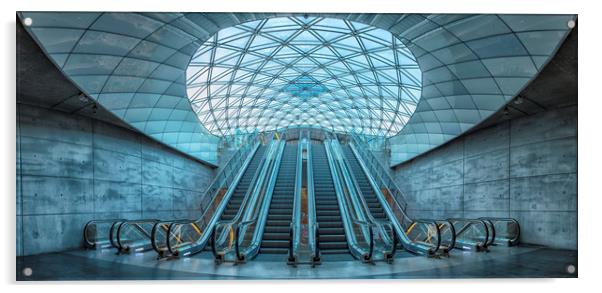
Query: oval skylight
{"type": "Point", "coordinates": [296, 71]}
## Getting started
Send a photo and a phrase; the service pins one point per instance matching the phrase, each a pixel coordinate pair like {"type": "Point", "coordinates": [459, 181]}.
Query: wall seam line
{"type": "Point", "coordinates": [509, 166]}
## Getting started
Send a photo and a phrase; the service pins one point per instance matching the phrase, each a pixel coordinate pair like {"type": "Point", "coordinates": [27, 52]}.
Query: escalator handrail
{"type": "Point", "coordinates": [88, 224]}
{"type": "Point", "coordinates": [405, 240]}
{"type": "Point", "coordinates": [133, 223]}
{"type": "Point", "coordinates": [296, 219]}
{"type": "Point", "coordinates": [240, 157]}
{"type": "Point", "coordinates": [112, 235]}
{"type": "Point", "coordinates": [515, 239]}
{"type": "Point", "coordinates": [381, 170]}
{"type": "Point", "coordinates": [362, 201]}
{"type": "Point", "coordinates": [471, 222]}
{"type": "Point", "coordinates": [317, 252]}
{"type": "Point", "coordinates": [252, 186]}
{"type": "Point", "coordinates": [363, 205]}
{"type": "Point", "coordinates": [491, 239]}
{"type": "Point", "coordinates": [362, 164]}
{"type": "Point", "coordinates": [360, 214]}
{"type": "Point", "coordinates": [311, 203]}
{"type": "Point", "coordinates": [225, 199]}
{"type": "Point", "coordinates": [261, 216]}
{"type": "Point", "coordinates": [453, 233]}
{"type": "Point", "coordinates": [434, 223]}
{"type": "Point", "coordinates": [250, 195]}
{"type": "Point", "coordinates": [240, 153]}
{"type": "Point", "coordinates": [356, 250]}
{"type": "Point", "coordinates": [154, 233]}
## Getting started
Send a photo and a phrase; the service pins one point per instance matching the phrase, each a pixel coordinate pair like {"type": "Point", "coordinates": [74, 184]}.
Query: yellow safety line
{"type": "Point", "coordinates": [231, 238]}
{"type": "Point", "coordinates": [197, 229]}
{"type": "Point", "coordinates": [411, 228]}
{"type": "Point", "coordinates": [178, 239]}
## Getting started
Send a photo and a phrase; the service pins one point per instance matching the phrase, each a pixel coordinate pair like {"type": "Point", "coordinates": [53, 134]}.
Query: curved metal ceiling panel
{"type": "Point", "coordinates": [472, 66]}
{"type": "Point", "coordinates": [134, 65]}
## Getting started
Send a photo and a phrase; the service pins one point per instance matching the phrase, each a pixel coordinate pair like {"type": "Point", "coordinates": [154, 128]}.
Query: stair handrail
{"type": "Point", "coordinates": [379, 170]}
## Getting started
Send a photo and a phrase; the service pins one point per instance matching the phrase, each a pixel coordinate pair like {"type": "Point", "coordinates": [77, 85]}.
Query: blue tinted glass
{"type": "Point", "coordinates": [321, 72]}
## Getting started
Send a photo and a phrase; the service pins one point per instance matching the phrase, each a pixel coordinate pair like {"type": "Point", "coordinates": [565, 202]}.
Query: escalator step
{"type": "Point", "coordinates": [328, 212]}
{"type": "Point", "coordinates": [276, 236]}
{"type": "Point", "coordinates": [284, 216]}
{"type": "Point", "coordinates": [270, 250]}
{"type": "Point", "coordinates": [332, 230]}
{"type": "Point", "coordinates": [275, 243]}
{"type": "Point", "coordinates": [278, 223]}
{"type": "Point", "coordinates": [332, 238]}
{"type": "Point", "coordinates": [336, 251]}
{"type": "Point", "coordinates": [332, 245]}
{"type": "Point", "coordinates": [276, 229]}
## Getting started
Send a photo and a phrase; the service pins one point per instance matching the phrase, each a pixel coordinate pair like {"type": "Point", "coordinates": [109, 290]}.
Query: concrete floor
{"type": "Point", "coordinates": [501, 262]}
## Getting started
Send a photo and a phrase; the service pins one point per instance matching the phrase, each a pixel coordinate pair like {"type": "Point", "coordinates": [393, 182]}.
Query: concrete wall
{"type": "Point", "coordinates": [524, 168]}
{"type": "Point", "coordinates": [72, 169]}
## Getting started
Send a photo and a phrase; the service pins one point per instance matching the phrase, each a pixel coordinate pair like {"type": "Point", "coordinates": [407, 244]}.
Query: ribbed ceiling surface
{"type": "Point", "coordinates": [134, 64]}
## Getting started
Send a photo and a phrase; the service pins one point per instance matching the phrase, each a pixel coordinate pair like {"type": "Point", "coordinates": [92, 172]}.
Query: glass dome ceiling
{"type": "Point", "coordinates": [303, 71]}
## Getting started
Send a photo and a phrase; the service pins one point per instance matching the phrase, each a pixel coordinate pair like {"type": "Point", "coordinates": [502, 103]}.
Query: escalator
{"type": "Point", "coordinates": [331, 232]}
{"type": "Point", "coordinates": [423, 237]}
{"type": "Point", "coordinates": [376, 209]}
{"type": "Point", "coordinates": [241, 189]}
{"type": "Point", "coordinates": [276, 236]}
{"type": "Point", "coordinates": [374, 205]}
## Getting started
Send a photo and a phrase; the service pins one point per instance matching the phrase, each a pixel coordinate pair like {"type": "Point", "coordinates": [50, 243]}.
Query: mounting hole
{"type": "Point", "coordinates": [27, 272]}
{"type": "Point", "coordinates": [27, 21]}
{"type": "Point", "coordinates": [571, 23]}
{"type": "Point", "coordinates": [571, 269]}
